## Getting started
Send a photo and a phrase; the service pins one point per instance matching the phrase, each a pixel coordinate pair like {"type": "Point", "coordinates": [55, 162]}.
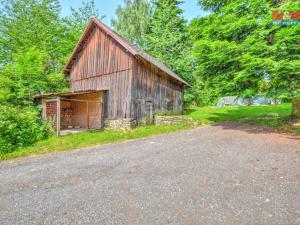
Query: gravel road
{"type": "Point", "coordinates": [223, 174]}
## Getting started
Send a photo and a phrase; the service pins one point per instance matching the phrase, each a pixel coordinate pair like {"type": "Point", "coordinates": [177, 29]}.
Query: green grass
{"type": "Point", "coordinates": [275, 116]}
{"type": "Point", "coordinates": [89, 138]}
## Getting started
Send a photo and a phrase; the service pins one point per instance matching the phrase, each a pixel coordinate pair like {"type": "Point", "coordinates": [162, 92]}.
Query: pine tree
{"type": "Point", "coordinates": [75, 24]}
{"type": "Point", "coordinates": [166, 38]}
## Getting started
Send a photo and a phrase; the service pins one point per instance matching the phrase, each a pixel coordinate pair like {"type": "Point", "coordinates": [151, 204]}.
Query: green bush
{"type": "Point", "coordinates": [20, 127]}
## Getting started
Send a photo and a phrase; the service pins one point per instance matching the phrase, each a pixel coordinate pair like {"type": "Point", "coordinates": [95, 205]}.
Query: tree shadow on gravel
{"type": "Point", "coordinates": [255, 123]}
{"type": "Point", "coordinates": [256, 129]}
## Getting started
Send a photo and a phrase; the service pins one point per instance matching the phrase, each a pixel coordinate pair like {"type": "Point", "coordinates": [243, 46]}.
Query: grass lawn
{"type": "Point", "coordinates": [89, 138]}
{"type": "Point", "coordinates": [275, 116]}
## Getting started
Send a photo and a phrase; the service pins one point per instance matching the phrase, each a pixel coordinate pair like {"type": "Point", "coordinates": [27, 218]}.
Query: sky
{"type": "Point", "coordinates": [107, 8]}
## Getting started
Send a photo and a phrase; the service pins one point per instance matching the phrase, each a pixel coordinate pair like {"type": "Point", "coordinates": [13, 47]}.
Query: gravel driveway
{"type": "Point", "coordinates": [223, 174]}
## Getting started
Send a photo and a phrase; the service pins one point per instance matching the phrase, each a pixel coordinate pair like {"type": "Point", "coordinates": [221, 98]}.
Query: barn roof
{"type": "Point", "coordinates": [133, 49]}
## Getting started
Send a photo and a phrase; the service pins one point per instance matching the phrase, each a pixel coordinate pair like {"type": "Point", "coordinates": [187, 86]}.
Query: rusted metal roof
{"type": "Point", "coordinates": [133, 49]}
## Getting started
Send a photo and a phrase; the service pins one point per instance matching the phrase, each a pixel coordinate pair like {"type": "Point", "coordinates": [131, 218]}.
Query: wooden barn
{"type": "Point", "coordinates": [112, 83]}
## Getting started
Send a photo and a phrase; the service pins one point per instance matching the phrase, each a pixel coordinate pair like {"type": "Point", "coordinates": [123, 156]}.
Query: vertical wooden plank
{"type": "Point", "coordinates": [58, 116]}
{"type": "Point", "coordinates": [87, 115]}
{"type": "Point", "coordinates": [104, 64]}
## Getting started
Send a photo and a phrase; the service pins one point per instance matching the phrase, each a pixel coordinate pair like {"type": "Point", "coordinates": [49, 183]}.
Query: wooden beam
{"type": "Point", "coordinates": [58, 116]}
{"type": "Point", "coordinates": [79, 100]}
{"type": "Point", "coordinates": [51, 100]}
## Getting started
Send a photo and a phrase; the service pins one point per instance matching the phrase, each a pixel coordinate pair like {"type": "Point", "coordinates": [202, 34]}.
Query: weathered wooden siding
{"type": "Point", "coordinates": [105, 65]}
{"type": "Point", "coordinates": [149, 85]}
{"type": "Point", "coordinates": [90, 117]}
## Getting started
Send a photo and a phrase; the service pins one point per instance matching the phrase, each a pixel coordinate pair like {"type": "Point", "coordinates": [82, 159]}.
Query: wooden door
{"type": "Point", "coordinates": [149, 112]}
{"type": "Point", "coordinates": [139, 110]}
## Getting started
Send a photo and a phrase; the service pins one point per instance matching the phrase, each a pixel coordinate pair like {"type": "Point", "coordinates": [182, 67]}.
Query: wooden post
{"type": "Point", "coordinates": [44, 113]}
{"type": "Point", "coordinates": [87, 114]}
{"type": "Point", "coordinates": [296, 108]}
{"type": "Point", "coordinates": [57, 116]}
{"type": "Point", "coordinates": [102, 110]}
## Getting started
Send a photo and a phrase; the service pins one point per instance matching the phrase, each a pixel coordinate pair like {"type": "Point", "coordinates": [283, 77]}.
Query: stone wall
{"type": "Point", "coordinates": [169, 120]}
{"type": "Point", "coordinates": [127, 124]}
{"type": "Point", "coordinates": [120, 124]}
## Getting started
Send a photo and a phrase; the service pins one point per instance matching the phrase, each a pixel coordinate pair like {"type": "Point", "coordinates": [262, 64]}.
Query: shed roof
{"type": "Point", "coordinates": [133, 49]}
{"type": "Point", "coordinates": [65, 94]}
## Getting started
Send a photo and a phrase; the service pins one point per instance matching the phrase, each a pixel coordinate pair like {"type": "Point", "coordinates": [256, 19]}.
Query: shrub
{"type": "Point", "coordinates": [19, 128]}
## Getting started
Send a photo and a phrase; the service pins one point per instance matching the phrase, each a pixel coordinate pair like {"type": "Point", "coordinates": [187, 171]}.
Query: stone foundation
{"type": "Point", "coordinates": [120, 124]}
{"type": "Point", "coordinates": [169, 120]}
{"type": "Point", "coordinates": [129, 123]}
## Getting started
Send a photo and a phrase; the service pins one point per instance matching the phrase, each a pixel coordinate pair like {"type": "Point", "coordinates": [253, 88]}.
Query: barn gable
{"type": "Point", "coordinates": [124, 45]}
{"type": "Point", "coordinates": [100, 55]}
{"type": "Point", "coordinates": [105, 65]}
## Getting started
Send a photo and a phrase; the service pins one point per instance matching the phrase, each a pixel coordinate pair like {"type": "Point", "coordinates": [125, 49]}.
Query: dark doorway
{"type": "Point", "coordinates": [149, 112]}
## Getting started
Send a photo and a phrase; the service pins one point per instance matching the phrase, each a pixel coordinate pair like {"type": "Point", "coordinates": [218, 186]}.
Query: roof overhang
{"type": "Point", "coordinates": [66, 94]}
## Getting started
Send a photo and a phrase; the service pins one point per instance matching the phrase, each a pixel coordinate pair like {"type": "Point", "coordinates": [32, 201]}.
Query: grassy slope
{"type": "Point", "coordinates": [275, 116]}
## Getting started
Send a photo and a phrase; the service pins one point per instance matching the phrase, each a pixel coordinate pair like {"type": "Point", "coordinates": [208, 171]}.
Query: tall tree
{"type": "Point", "coordinates": [166, 38]}
{"type": "Point", "coordinates": [29, 73]}
{"type": "Point", "coordinates": [237, 51]}
{"type": "Point", "coordinates": [76, 22]}
{"type": "Point", "coordinates": [31, 35]}
{"type": "Point", "coordinates": [27, 23]}
{"type": "Point", "coordinates": [132, 20]}
{"type": "Point", "coordinates": [217, 5]}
